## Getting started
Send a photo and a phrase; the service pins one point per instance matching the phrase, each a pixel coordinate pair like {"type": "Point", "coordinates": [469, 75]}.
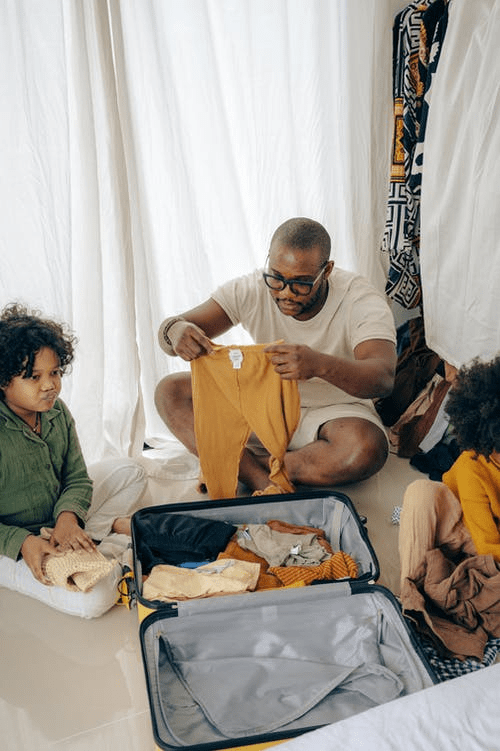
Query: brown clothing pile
{"type": "Point", "coordinates": [457, 605]}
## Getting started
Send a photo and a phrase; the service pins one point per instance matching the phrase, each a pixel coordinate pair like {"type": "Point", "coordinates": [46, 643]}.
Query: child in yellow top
{"type": "Point", "coordinates": [461, 514]}
{"type": "Point", "coordinates": [475, 480]}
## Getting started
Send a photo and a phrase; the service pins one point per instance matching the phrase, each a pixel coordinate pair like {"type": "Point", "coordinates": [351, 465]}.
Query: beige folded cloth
{"type": "Point", "coordinates": [77, 570]}
{"type": "Point", "coordinates": [228, 576]}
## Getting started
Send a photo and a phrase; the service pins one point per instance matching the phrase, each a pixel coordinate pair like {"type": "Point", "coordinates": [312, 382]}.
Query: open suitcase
{"type": "Point", "coordinates": [255, 668]}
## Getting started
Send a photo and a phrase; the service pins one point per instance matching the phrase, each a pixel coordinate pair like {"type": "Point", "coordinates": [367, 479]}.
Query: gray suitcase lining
{"type": "Point", "coordinates": [237, 669]}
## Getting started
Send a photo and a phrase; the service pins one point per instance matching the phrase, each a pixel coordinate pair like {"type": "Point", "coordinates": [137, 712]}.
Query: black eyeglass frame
{"type": "Point", "coordinates": [292, 282]}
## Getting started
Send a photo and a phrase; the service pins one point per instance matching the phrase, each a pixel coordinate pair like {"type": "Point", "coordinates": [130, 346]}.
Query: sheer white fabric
{"type": "Point", "coordinates": [149, 150]}
{"type": "Point", "coordinates": [460, 258]}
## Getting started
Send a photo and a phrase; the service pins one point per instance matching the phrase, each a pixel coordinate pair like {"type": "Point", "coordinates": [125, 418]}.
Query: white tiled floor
{"type": "Point", "coordinates": [68, 684]}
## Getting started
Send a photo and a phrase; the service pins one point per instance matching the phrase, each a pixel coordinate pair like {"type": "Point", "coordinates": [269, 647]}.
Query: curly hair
{"type": "Point", "coordinates": [23, 333]}
{"type": "Point", "coordinates": [473, 406]}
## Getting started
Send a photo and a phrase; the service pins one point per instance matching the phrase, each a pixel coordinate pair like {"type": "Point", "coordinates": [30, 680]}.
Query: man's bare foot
{"type": "Point", "coordinates": [254, 470]}
{"type": "Point", "coordinates": [122, 526]}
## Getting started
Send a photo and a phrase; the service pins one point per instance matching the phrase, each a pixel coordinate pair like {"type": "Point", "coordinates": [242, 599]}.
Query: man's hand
{"type": "Point", "coordinates": [68, 535]}
{"type": "Point", "coordinates": [294, 362]}
{"type": "Point", "coordinates": [189, 341]}
{"type": "Point", "coordinates": [33, 550]}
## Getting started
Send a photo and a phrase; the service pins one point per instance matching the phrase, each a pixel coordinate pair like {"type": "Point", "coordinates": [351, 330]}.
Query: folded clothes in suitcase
{"type": "Point", "coordinates": [265, 665]}
{"type": "Point", "coordinates": [160, 534]}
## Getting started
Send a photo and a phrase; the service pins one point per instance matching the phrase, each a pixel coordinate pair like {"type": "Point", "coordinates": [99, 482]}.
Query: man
{"type": "Point", "coordinates": [338, 342]}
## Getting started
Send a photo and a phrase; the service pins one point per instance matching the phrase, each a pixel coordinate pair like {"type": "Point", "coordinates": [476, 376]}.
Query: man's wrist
{"type": "Point", "coordinates": [168, 325]}
{"type": "Point", "coordinates": [163, 337]}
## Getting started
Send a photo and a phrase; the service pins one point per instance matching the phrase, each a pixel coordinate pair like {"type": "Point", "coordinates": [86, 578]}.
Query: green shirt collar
{"type": "Point", "coordinates": [14, 422]}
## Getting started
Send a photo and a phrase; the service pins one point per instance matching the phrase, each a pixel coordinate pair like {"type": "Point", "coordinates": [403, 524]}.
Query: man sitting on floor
{"type": "Point", "coordinates": [338, 343]}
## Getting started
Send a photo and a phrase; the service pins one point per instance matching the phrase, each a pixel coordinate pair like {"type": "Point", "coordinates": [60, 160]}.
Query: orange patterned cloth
{"type": "Point", "coordinates": [339, 566]}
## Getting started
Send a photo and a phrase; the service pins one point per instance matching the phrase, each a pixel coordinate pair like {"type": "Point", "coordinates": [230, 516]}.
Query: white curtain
{"type": "Point", "coordinates": [149, 149]}
{"type": "Point", "coordinates": [460, 237]}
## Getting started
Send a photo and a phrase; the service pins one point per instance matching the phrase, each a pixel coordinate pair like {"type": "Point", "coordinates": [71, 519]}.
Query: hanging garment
{"type": "Point", "coordinates": [236, 391]}
{"type": "Point", "coordinates": [418, 34]}
{"type": "Point", "coordinates": [416, 422]}
{"type": "Point", "coordinates": [403, 283]}
{"type": "Point", "coordinates": [460, 263]}
{"type": "Point", "coordinates": [415, 367]}
{"type": "Point", "coordinates": [432, 33]}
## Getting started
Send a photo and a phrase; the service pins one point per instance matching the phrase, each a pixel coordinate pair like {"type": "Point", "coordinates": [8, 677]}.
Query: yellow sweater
{"type": "Point", "coordinates": [476, 483]}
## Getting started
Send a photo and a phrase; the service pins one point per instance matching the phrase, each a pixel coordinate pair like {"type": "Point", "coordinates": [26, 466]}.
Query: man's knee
{"type": "Point", "coordinates": [344, 459]}
{"type": "Point", "coordinates": [172, 392]}
{"type": "Point", "coordinates": [366, 451]}
{"type": "Point", "coordinates": [368, 457]}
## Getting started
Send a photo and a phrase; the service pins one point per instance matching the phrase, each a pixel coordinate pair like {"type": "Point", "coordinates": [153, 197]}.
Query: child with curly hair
{"type": "Point", "coordinates": [444, 524]}
{"type": "Point", "coordinates": [44, 482]}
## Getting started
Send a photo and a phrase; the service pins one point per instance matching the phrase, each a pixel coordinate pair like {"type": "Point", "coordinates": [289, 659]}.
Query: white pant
{"type": "Point", "coordinates": [118, 485]}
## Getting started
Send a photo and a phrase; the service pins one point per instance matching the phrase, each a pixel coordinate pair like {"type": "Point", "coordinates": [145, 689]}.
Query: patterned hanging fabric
{"type": "Point", "coordinates": [432, 32]}
{"type": "Point", "coordinates": [418, 33]}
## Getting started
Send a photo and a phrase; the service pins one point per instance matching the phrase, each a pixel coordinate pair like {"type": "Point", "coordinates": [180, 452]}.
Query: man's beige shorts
{"type": "Point", "coordinates": [311, 420]}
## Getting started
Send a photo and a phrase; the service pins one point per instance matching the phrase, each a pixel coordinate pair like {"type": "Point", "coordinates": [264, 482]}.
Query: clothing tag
{"type": "Point", "coordinates": [218, 569]}
{"type": "Point", "coordinates": [236, 357]}
{"type": "Point", "coordinates": [295, 550]}
{"type": "Point", "coordinates": [245, 533]}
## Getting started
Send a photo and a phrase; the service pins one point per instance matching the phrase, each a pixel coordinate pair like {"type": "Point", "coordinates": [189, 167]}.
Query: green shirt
{"type": "Point", "coordinates": [39, 476]}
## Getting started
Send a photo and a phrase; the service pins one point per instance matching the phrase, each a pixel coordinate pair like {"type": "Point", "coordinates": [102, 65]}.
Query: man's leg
{"type": "Point", "coordinates": [174, 403]}
{"type": "Point", "coordinates": [348, 449]}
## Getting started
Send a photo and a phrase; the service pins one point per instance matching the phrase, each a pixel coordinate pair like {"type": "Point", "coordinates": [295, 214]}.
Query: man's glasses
{"type": "Point", "coordinates": [297, 286]}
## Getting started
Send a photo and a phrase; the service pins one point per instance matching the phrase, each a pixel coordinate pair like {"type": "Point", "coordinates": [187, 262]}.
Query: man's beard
{"type": "Point", "coordinates": [306, 306]}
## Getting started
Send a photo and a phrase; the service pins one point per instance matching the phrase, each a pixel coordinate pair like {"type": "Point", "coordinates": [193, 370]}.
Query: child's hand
{"type": "Point", "coordinates": [68, 535]}
{"type": "Point", "coordinates": [33, 550]}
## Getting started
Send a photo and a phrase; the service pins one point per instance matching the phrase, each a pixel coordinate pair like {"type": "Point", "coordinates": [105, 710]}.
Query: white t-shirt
{"type": "Point", "coordinates": [354, 312]}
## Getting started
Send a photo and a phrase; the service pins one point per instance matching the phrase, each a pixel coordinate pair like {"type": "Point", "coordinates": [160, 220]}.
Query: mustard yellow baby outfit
{"type": "Point", "coordinates": [236, 392]}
